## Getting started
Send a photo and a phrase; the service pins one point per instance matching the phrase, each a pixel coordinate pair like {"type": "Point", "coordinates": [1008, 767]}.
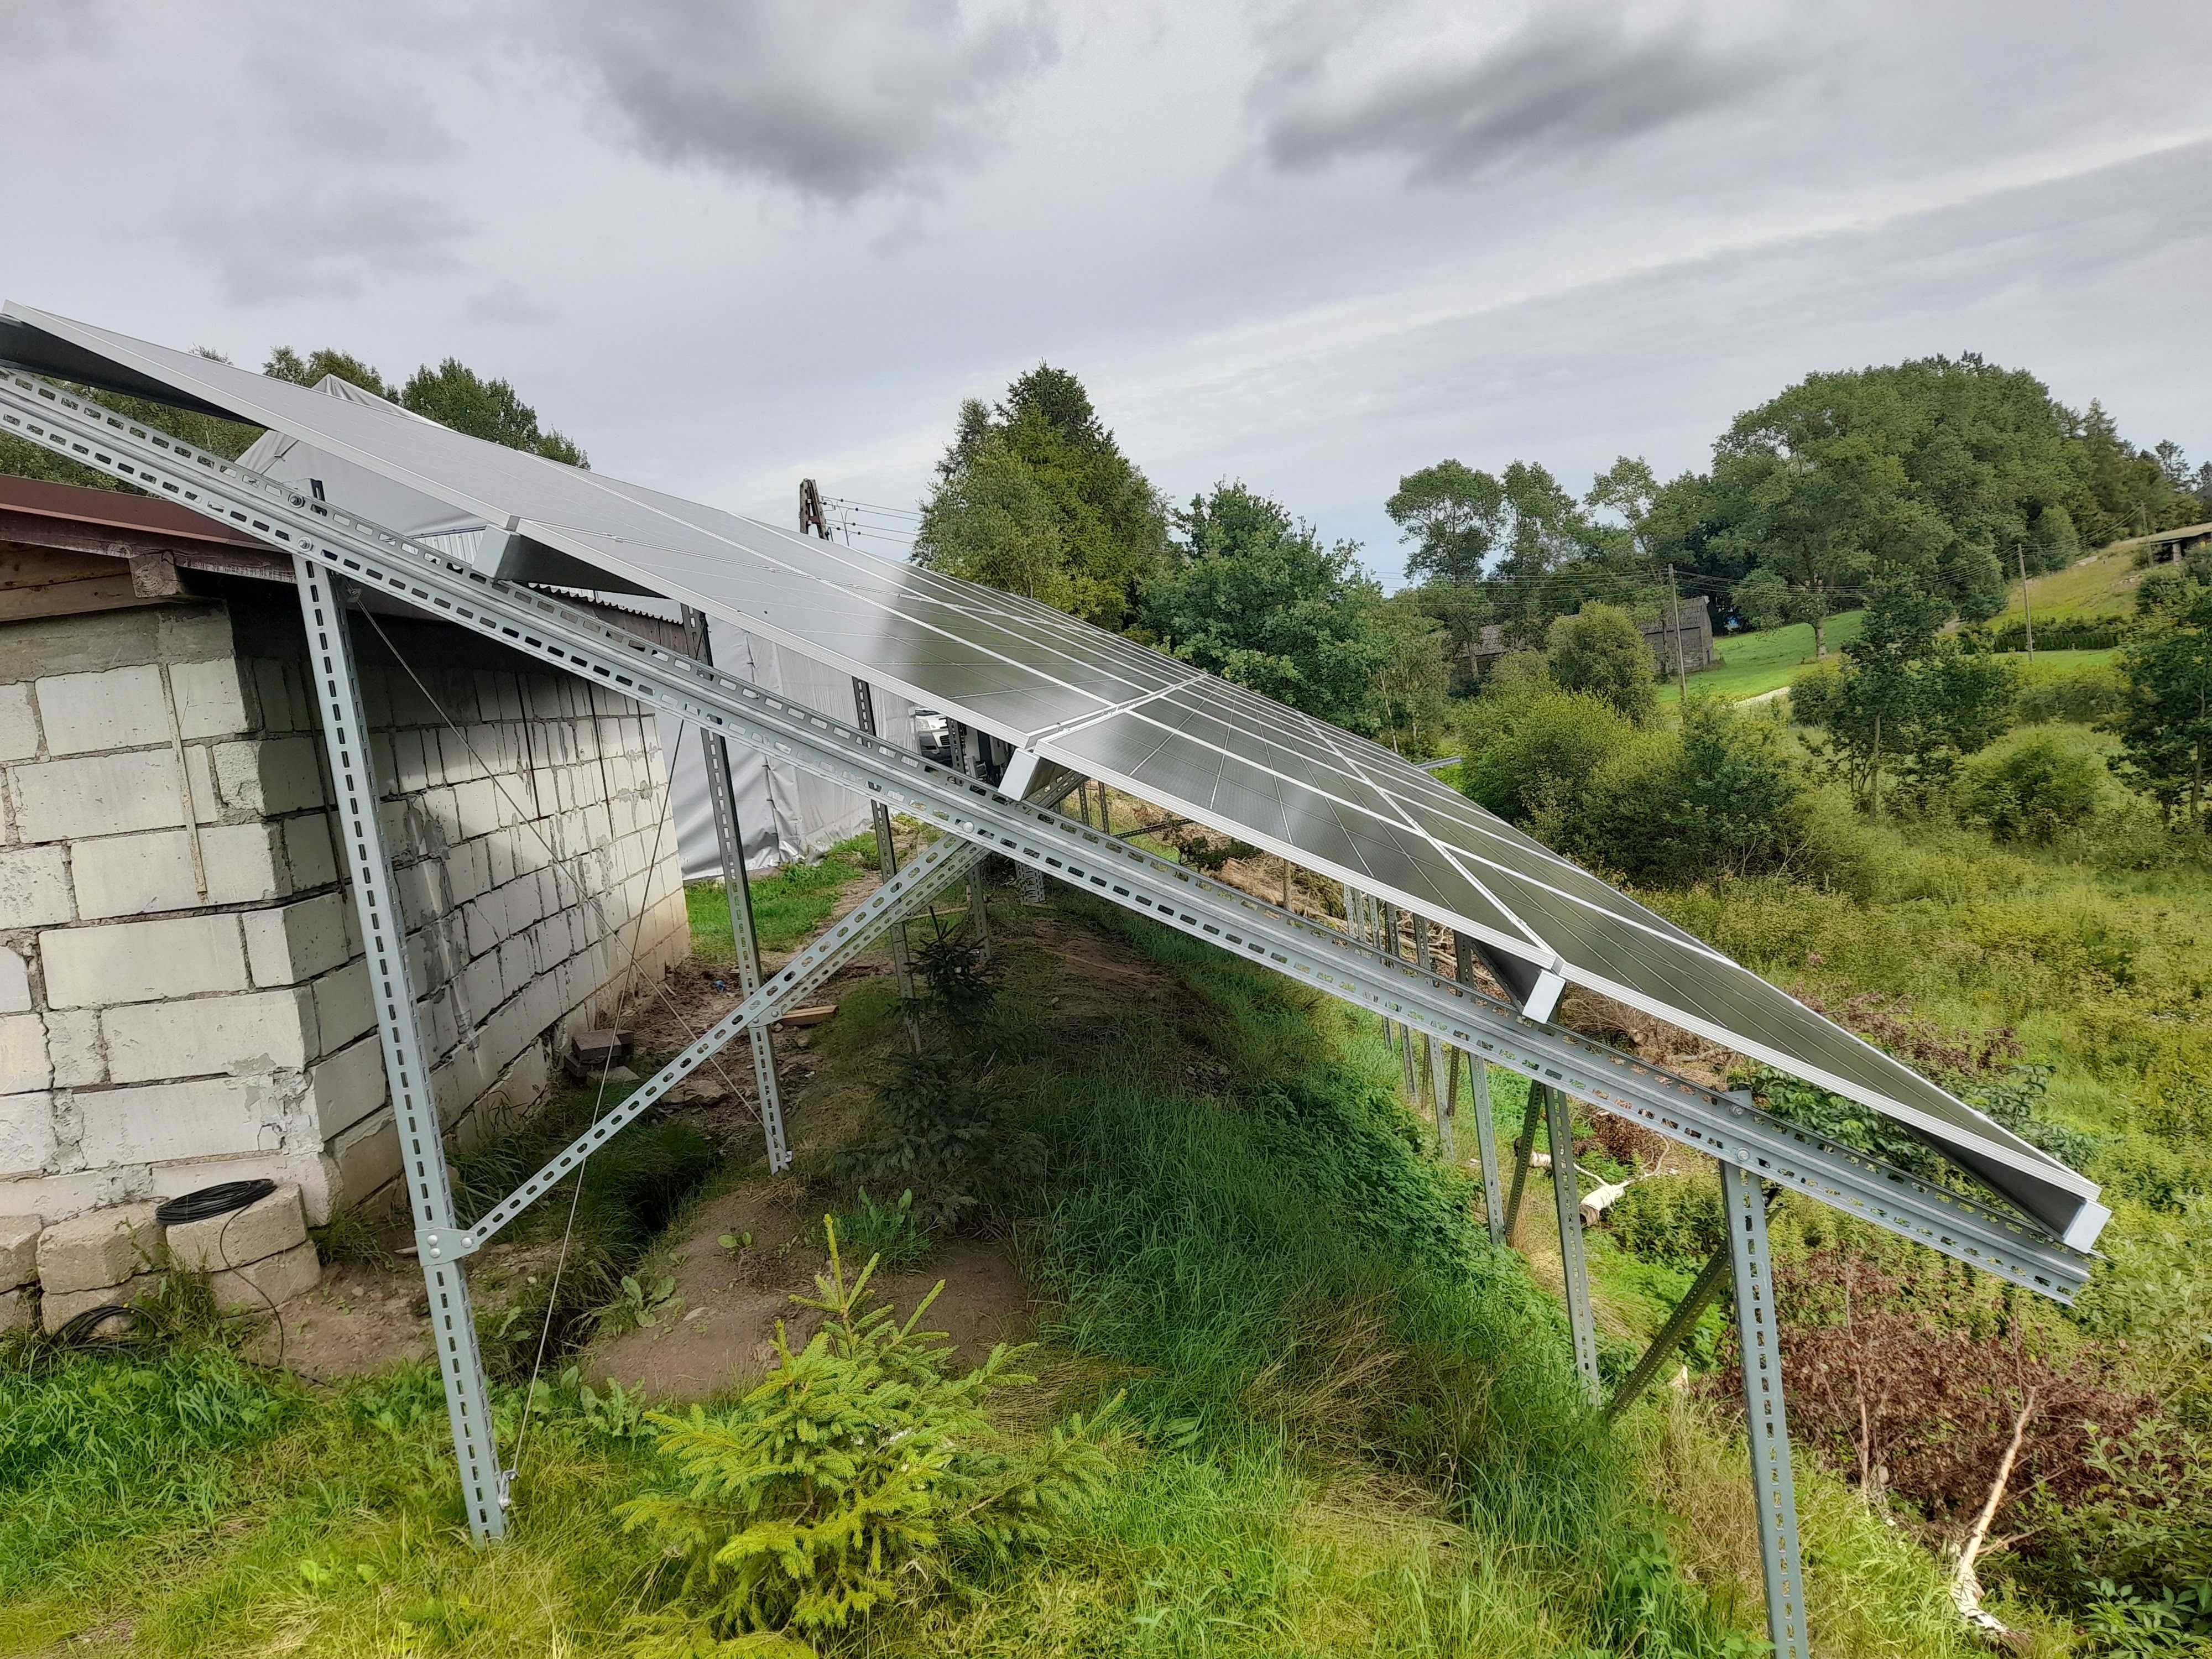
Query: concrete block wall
{"type": "Point", "coordinates": [182, 997]}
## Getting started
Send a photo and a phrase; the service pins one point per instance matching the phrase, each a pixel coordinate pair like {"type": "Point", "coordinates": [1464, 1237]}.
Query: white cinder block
{"type": "Point", "coordinates": [207, 1118]}
{"type": "Point", "coordinates": [262, 1229]}
{"type": "Point", "coordinates": [15, 983]}
{"type": "Point", "coordinates": [73, 1046]}
{"type": "Point", "coordinates": [264, 1031]}
{"type": "Point", "coordinates": [199, 771]}
{"type": "Point", "coordinates": [120, 708]}
{"type": "Point", "coordinates": [344, 1009]}
{"type": "Point", "coordinates": [295, 942]}
{"type": "Point", "coordinates": [98, 795]}
{"type": "Point", "coordinates": [308, 852]}
{"type": "Point", "coordinates": [28, 1147]}
{"type": "Point", "coordinates": [363, 1159]}
{"type": "Point", "coordinates": [278, 775]}
{"type": "Point", "coordinates": [19, 724]}
{"type": "Point", "coordinates": [210, 699]}
{"type": "Point", "coordinates": [348, 1087]}
{"type": "Point", "coordinates": [19, 1250]}
{"type": "Point", "coordinates": [133, 875]}
{"type": "Point", "coordinates": [138, 961]}
{"type": "Point", "coordinates": [23, 1066]}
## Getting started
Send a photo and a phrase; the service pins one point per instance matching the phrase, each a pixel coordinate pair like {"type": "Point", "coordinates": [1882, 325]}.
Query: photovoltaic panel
{"type": "Point", "coordinates": [1341, 804]}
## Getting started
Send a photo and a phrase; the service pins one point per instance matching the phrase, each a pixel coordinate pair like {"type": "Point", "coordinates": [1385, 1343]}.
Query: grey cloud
{"type": "Point", "coordinates": [355, 119]}
{"type": "Point", "coordinates": [1565, 84]}
{"type": "Point", "coordinates": [305, 248]}
{"type": "Point", "coordinates": [35, 31]}
{"type": "Point", "coordinates": [835, 103]}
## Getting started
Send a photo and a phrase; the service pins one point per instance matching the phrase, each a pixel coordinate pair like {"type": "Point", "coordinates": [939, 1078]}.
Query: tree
{"type": "Point", "coordinates": [1600, 651]}
{"type": "Point", "coordinates": [21, 459]}
{"type": "Point", "coordinates": [1628, 488]}
{"type": "Point", "coordinates": [1906, 702]}
{"type": "Point", "coordinates": [286, 364]}
{"type": "Point", "coordinates": [455, 395]}
{"type": "Point", "coordinates": [1111, 526]}
{"type": "Point", "coordinates": [1256, 597]}
{"type": "Point", "coordinates": [1412, 704]}
{"type": "Point", "coordinates": [452, 394]}
{"type": "Point", "coordinates": [1762, 598]}
{"type": "Point", "coordinates": [994, 523]}
{"type": "Point", "coordinates": [2165, 727]}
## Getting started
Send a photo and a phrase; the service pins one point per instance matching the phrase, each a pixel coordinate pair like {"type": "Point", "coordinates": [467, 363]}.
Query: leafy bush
{"type": "Point", "coordinates": [2068, 633]}
{"type": "Point", "coordinates": [858, 1473]}
{"type": "Point", "coordinates": [2083, 694]}
{"type": "Point", "coordinates": [2033, 792]}
{"type": "Point", "coordinates": [1600, 650]}
{"type": "Point", "coordinates": [1672, 1219]}
{"type": "Point", "coordinates": [1530, 751]}
{"type": "Point", "coordinates": [949, 1142]}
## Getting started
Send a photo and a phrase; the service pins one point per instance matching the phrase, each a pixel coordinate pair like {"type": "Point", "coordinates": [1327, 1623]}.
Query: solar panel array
{"type": "Point", "coordinates": [1336, 803]}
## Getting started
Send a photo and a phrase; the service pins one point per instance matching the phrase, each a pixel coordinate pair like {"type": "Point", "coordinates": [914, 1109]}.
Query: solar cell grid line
{"type": "Point", "coordinates": [1884, 1076]}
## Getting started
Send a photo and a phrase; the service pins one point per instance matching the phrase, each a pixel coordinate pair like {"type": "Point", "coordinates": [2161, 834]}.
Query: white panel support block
{"type": "Point", "coordinates": [15, 983]}
{"type": "Point", "coordinates": [137, 875]}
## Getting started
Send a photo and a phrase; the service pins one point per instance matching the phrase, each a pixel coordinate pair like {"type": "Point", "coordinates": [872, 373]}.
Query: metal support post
{"type": "Point", "coordinates": [1743, 1206]}
{"type": "Point", "coordinates": [406, 1068]}
{"type": "Point", "coordinates": [1524, 1152]}
{"type": "Point", "coordinates": [737, 892]}
{"type": "Point", "coordinates": [1703, 1290]}
{"type": "Point", "coordinates": [1485, 1146]}
{"type": "Point", "coordinates": [1441, 1086]}
{"type": "Point", "coordinates": [1574, 1269]}
{"type": "Point", "coordinates": [1395, 949]}
{"type": "Point", "coordinates": [979, 909]}
{"type": "Point", "coordinates": [864, 708]}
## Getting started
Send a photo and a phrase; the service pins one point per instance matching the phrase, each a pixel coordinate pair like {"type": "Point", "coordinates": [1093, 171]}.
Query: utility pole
{"type": "Point", "coordinates": [1681, 666]}
{"type": "Point", "coordinates": [2021, 554]}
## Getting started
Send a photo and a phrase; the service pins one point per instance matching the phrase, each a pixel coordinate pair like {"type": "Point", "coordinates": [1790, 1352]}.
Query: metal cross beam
{"type": "Point", "coordinates": [1321, 957]}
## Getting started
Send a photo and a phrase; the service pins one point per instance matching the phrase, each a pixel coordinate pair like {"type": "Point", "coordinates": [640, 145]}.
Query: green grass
{"type": "Point", "coordinates": [2100, 585]}
{"type": "Point", "coordinates": [1754, 663]}
{"type": "Point", "coordinates": [788, 905]}
{"type": "Point", "coordinates": [1356, 1428]}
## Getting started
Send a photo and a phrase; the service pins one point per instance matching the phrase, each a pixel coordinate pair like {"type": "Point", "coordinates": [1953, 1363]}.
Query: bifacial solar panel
{"type": "Point", "coordinates": [1338, 804]}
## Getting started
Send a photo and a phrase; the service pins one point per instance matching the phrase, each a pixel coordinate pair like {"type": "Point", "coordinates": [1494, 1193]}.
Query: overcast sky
{"type": "Point", "coordinates": [1310, 245]}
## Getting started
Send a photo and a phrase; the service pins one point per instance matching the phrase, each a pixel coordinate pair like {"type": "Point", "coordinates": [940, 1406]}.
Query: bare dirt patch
{"type": "Point", "coordinates": [718, 1335]}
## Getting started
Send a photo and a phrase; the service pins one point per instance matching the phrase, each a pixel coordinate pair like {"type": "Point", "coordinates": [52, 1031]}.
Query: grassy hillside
{"type": "Point", "coordinates": [1753, 665]}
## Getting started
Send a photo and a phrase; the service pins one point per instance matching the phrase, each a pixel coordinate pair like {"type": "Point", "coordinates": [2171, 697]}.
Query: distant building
{"type": "Point", "coordinates": [1693, 646]}
{"type": "Point", "coordinates": [2167, 545]}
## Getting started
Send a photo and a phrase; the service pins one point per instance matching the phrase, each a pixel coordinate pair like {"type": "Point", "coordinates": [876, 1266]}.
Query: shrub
{"type": "Point", "coordinates": [858, 1472]}
{"type": "Point", "coordinates": [1671, 1218]}
{"type": "Point", "coordinates": [949, 1142]}
{"type": "Point", "coordinates": [1532, 751]}
{"type": "Point", "coordinates": [2033, 792]}
{"type": "Point", "coordinates": [2085, 694]}
{"type": "Point", "coordinates": [1600, 650]}
{"type": "Point", "coordinates": [2069, 634]}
